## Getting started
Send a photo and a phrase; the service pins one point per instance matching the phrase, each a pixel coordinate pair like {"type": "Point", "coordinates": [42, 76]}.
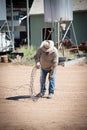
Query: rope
{"type": "Point", "coordinates": [31, 86]}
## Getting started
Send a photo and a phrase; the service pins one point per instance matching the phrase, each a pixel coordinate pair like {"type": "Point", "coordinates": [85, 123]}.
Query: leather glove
{"type": "Point", "coordinates": [38, 65]}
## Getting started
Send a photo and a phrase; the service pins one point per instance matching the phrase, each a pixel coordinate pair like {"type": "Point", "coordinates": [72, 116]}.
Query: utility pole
{"type": "Point", "coordinates": [12, 24]}
{"type": "Point", "coordinates": [28, 39]}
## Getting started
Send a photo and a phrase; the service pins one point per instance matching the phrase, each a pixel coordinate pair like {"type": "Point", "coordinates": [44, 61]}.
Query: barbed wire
{"type": "Point", "coordinates": [31, 85]}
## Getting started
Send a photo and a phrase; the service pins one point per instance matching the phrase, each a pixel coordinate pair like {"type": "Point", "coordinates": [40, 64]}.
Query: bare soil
{"type": "Point", "coordinates": [66, 111]}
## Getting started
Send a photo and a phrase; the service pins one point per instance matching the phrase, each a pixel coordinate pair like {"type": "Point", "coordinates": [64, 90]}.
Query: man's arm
{"type": "Point", "coordinates": [37, 58]}
{"type": "Point", "coordinates": [55, 59]}
{"type": "Point", "coordinates": [54, 63]}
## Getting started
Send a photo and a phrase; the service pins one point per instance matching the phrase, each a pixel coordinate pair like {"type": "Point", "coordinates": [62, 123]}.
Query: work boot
{"type": "Point", "coordinates": [40, 95]}
{"type": "Point", "coordinates": [50, 96]}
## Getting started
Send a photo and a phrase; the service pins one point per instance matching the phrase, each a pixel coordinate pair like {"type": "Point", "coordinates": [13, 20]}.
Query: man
{"type": "Point", "coordinates": [47, 58]}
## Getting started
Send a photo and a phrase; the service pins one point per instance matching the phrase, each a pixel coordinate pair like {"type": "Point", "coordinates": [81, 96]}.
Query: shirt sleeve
{"type": "Point", "coordinates": [37, 56]}
{"type": "Point", "coordinates": [55, 58]}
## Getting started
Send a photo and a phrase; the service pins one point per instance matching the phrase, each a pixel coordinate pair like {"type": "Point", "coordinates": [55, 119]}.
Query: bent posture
{"type": "Point", "coordinates": [46, 57]}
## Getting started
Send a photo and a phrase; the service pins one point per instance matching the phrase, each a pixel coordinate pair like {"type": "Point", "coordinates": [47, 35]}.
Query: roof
{"type": "Point", "coordinates": [38, 6]}
{"type": "Point", "coordinates": [79, 5]}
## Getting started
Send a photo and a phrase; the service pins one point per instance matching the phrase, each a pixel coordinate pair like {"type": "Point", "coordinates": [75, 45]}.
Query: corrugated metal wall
{"type": "Point", "coordinates": [36, 25]}
{"type": "Point", "coordinates": [80, 25]}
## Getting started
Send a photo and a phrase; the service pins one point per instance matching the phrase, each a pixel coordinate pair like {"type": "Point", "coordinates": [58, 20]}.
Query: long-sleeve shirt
{"type": "Point", "coordinates": [47, 59]}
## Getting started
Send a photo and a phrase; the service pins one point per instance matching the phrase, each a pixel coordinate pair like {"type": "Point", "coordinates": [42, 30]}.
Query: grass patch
{"type": "Point", "coordinates": [27, 59]}
{"type": "Point", "coordinates": [28, 52]}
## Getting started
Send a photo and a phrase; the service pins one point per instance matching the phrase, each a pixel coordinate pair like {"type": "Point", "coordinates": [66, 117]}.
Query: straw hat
{"type": "Point", "coordinates": [47, 45]}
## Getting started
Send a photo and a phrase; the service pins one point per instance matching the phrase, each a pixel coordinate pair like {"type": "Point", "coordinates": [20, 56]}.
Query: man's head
{"type": "Point", "coordinates": [47, 45]}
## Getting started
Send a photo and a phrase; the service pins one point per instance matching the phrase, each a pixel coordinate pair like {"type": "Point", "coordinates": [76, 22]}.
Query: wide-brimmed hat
{"type": "Point", "coordinates": [47, 45]}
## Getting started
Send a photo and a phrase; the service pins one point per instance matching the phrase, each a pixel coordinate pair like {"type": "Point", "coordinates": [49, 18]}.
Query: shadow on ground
{"type": "Point", "coordinates": [24, 97]}
{"type": "Point", "coordinates": [19, 97]}
{"type": "Point", "coordinates": [34, 98]}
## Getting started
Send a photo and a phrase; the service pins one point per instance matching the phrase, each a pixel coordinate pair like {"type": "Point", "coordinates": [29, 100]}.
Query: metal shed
{"type": "Point", "coordinates": [37, 23]}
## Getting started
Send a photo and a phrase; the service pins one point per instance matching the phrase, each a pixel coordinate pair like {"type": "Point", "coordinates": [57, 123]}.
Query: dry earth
{"type": "Point", "coordinates": [66, 111]}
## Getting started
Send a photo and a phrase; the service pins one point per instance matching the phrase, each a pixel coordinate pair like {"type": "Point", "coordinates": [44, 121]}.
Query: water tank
{"type": "Point", "coordinates": [58, 10]}
{"type": "Point", "coordinates": [2, 9]}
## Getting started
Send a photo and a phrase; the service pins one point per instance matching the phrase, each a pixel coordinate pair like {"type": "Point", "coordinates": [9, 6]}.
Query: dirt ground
{"type": "Point", "coordinates": [66, 111]}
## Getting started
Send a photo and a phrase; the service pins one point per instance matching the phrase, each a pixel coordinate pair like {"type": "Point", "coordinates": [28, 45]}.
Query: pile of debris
{"type": "Point", "coordinates": [83, 46]}
{"type": "Point", "coordinates": [67, 44]}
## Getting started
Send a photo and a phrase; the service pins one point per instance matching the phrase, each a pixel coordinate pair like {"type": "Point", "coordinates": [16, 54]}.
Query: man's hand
{"type": "Point", "coordinates": [51, 73]}
{"type": "Point", "coordinates": [50, 76]}
{"type": "Point", "coordinates": [38, 65]}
